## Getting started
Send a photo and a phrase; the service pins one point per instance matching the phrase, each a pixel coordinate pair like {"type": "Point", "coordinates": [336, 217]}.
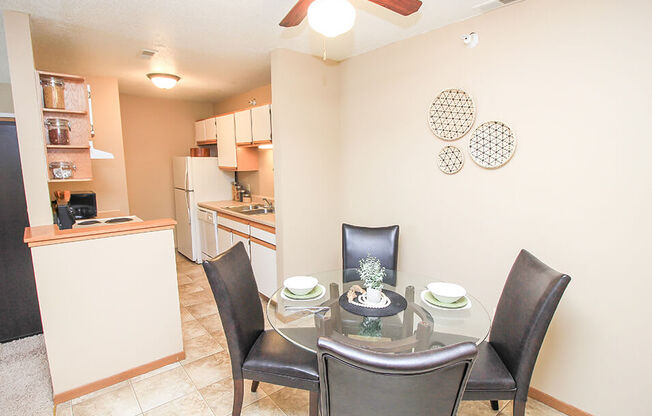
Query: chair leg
{"type": "Point", "coordinates": [254, 386]}
{"type": "Point", "coordinates": [238, 395]}
{"type": "Point", "coordinates": [519, 408]}
{"type": "Point", "coordinates": [314, 403]}
{"type": "Point", "coordinates": [494, 404]}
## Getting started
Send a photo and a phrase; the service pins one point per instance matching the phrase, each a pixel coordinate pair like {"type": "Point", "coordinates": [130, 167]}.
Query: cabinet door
{"type": "Point", "coordinates": [199, 131]}
{"type": "Point", "coordinates": [261, 123]}
{"type": "Point", "coordinates": [210, 129]}
{"type": "Point", "coordinates": [224, 240]}
{"type": "Point", "coordinates": [245, 240]}
{"type": "Point", "coordinates": [243, 126]}
{"type": "Point", "coordinates": [263, 263]}
{"type": "Point", "coordinates": [226, 152]}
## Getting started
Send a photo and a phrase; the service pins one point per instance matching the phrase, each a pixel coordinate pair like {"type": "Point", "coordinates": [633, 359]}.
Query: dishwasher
{"type": "Point", "coordinates": [208, 233]}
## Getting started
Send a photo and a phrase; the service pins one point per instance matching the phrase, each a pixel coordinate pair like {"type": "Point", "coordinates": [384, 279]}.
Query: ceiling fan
{"type": "Point", "coordinates": [300, 9]}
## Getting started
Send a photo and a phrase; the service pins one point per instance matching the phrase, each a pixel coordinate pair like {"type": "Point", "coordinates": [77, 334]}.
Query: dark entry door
{"type": "Point", "coordinates": [19, 311]}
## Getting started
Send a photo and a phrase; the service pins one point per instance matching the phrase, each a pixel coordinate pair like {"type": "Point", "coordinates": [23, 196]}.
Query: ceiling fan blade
{"type": "Point", "coordinates": [296, 14]}
{"type": "Point", "coordinates": [404, 7]}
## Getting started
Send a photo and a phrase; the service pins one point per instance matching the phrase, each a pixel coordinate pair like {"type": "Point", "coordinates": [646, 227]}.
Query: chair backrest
{"type": "Point", "coordinates": [528, 302]}
{"type": "Point", "coordinates": [381, 242]}
{"type": "Point", "coordinates": [361, 382]}
{"type": "Point", "coordinates": [236, 294]}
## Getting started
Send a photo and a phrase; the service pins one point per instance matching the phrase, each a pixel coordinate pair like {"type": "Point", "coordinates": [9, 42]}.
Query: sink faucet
{"type": "Point", "coordinates": [267, 203]}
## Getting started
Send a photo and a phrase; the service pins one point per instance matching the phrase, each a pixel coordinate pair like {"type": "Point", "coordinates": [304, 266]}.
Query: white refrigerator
{"type": "Point", "coordinates": [196, 179]}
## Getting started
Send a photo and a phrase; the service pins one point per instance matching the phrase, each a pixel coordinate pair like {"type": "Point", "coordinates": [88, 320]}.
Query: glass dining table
{"type": "Point", "coordinates": [421, 326]}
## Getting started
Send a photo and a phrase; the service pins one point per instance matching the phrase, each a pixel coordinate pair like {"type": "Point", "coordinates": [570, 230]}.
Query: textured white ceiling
{"type": "Point", "coordinates": [218, 47]}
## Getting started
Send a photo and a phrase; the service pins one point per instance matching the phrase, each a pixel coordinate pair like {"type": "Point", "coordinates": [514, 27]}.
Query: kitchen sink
{"type": "Point", "coordinates": [258, 211]}
{"type": "Point", "coordinates": [242, 208]}
{"type": "Point", "coordinates": [251, 209]}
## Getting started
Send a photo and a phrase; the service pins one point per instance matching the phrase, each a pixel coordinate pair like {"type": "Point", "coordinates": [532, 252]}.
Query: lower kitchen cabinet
{"type": "Point", "coordinates": [224, 239]}
{"type": "Point", "coordinates": [259, 241]}
{"type": "Point", "coordinates": [237, 237]}
{"type": "Point", "coordinates": [263, 262]}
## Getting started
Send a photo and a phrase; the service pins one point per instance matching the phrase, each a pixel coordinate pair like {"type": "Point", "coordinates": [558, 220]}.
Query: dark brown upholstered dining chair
{"type": "Point", "coordinates": [381, 242]}
{"type": "Point", "coordinates": [505, 363]}
{"type": "Point", "coordinates": [256, 354]}
{"type": "Point", "coordinates": [362, 382]}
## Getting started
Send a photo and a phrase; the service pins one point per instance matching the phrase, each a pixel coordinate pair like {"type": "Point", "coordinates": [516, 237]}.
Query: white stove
{"type": "Point", "coordinates": [94, 222]}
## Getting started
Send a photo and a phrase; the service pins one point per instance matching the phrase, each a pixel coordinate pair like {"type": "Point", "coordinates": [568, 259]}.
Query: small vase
{"type": "Point", "coordinates": [373, 295]}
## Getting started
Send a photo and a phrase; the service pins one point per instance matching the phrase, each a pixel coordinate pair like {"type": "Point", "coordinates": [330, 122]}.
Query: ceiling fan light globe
{"type": "Point", "coordinates": [331, 18]}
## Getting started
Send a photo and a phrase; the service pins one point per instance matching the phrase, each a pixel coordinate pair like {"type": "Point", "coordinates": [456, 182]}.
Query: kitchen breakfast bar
{"type": "Point", "coordinates": [109, 302]}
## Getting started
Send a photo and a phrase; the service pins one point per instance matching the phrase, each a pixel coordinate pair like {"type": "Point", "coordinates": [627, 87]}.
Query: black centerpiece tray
{"type": "Point", "coordinates": [398, 304]}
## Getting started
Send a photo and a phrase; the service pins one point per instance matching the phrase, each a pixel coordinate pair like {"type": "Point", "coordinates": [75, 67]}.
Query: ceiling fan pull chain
{"type": "Point", "coordinates": [324, 55]}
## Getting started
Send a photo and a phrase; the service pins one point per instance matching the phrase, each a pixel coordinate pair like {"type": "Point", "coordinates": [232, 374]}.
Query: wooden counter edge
{"type": "Point", "coordinates": [50, 234]}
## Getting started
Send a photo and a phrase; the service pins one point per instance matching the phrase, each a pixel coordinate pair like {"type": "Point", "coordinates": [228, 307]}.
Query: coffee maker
{"type": "Point", "coordinates": [63, 213]}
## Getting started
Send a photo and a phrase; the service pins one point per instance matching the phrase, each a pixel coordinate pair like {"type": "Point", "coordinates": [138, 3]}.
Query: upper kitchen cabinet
{"type": "Point", "coordinates": [199, 131]}
{"type": "Point", "coordinates": [229, 155]}
{"type": "Point", "coordinates": [243, 126]}
{"type": "Point", "coordinates": [261, 124]}
{"type": "Point", "coordinates": [226, 148]}
{"type": "Point", "coordinates": [210, 127]}
{"type": "Point", "coordinates": [253, 126]}
{"type": "Point", "coordinates": [205, 131]}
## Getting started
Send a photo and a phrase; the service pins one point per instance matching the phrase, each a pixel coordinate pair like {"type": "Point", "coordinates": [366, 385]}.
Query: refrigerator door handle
{"type": "Point", "coordinates": [186, 176]}
{"type": "Point", "coordinates": [188, 207]}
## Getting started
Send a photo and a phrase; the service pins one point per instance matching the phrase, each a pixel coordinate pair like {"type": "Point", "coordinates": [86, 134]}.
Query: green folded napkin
{"type": "Point", "coordinates": [460, 303]}
{"type": "Point", "coordinates": [315, 292]}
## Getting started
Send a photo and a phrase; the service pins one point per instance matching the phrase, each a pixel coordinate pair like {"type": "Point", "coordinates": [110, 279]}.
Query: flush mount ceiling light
{"type": "Point", "coordinates": [331, 18]}
{"type": "Point", "coordinates": [164, 81]}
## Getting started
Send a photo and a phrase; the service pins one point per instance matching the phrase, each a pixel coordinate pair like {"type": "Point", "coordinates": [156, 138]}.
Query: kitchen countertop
{"type": "Point", "coordinates": [51, 234]}
{"type": "Point", "coordinates": [219, 206]}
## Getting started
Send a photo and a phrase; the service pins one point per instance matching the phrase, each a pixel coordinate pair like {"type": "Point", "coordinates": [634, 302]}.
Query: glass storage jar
{"type": "Point", "coordinates": [62, 170]}
{"type": "Point", "coordinates": [53, 88]}
{"type": "Point", "coordinates": [58, 129]}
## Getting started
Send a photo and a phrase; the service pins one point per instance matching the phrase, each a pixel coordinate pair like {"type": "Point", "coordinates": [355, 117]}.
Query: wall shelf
{"type": "Point", "coordinates": [206, 142]}
{"type": "Point", "coordinates": [63, 111]}
{"type": "Point", "coordinates": [70, 180]}
{"type": "Point", "coordinates": [59, 75]}
{"type": "Point", "coordinates": [76, 112]}
{"type": "Point", "coordinates": [67, 146]}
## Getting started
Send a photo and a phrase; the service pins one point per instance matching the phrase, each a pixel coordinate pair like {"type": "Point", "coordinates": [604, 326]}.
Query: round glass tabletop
{"type": "Point", "coordinates": [421, 326]}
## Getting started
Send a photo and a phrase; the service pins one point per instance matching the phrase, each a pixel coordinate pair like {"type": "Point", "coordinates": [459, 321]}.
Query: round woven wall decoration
{"type": "Point", "coordinates": [492, 145]}
{"type": "Point", "coordinates": [451, 114]}
{"type": "Point", "coordinates": [451, 160]}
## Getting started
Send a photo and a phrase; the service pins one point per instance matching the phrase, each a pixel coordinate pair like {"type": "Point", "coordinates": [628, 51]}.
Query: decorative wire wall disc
{"type": "Point", "coordinates": [451, 160]}
{"type": "Point", "coordinates": [492, 145]}
{"type": "Point", "coordinates": [451, 114]}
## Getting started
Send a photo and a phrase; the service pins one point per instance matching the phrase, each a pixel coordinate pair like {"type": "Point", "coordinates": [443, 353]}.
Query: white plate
{"type": "Point", "coordinates": [465, 307]}
{"type": "Point", "coordinates": [323, 292]}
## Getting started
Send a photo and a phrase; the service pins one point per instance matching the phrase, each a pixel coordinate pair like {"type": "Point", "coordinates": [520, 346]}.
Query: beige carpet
{"type": "Point", "coordinates": [25, 387]}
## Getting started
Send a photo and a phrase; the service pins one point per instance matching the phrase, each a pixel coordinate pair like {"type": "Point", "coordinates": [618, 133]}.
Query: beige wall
{"type": "Point", "coordinates": [154, 131]}
{"type": "Point", "coordinates": [573, 81]}
{"type": "Point", "coordinates": [261, 181]}
{"type": "Point", "coordinates": [306, 162]}
{"type": "Point", "coordinates": [263, 95]}
{"type": "Point", "coordinates": [28, 117]}
{"type": "Point", "coordinates": [109, 176]}
{"type": "Point", "coordinates": [6, 101]}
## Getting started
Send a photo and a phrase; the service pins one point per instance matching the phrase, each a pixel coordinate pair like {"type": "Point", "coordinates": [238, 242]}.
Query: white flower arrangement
{"type": "Point", "coordinates": [372, 273]}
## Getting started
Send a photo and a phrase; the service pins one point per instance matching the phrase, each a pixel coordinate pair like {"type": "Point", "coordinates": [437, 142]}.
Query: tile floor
{"type": "Point", "coordinates": [201, 384]}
